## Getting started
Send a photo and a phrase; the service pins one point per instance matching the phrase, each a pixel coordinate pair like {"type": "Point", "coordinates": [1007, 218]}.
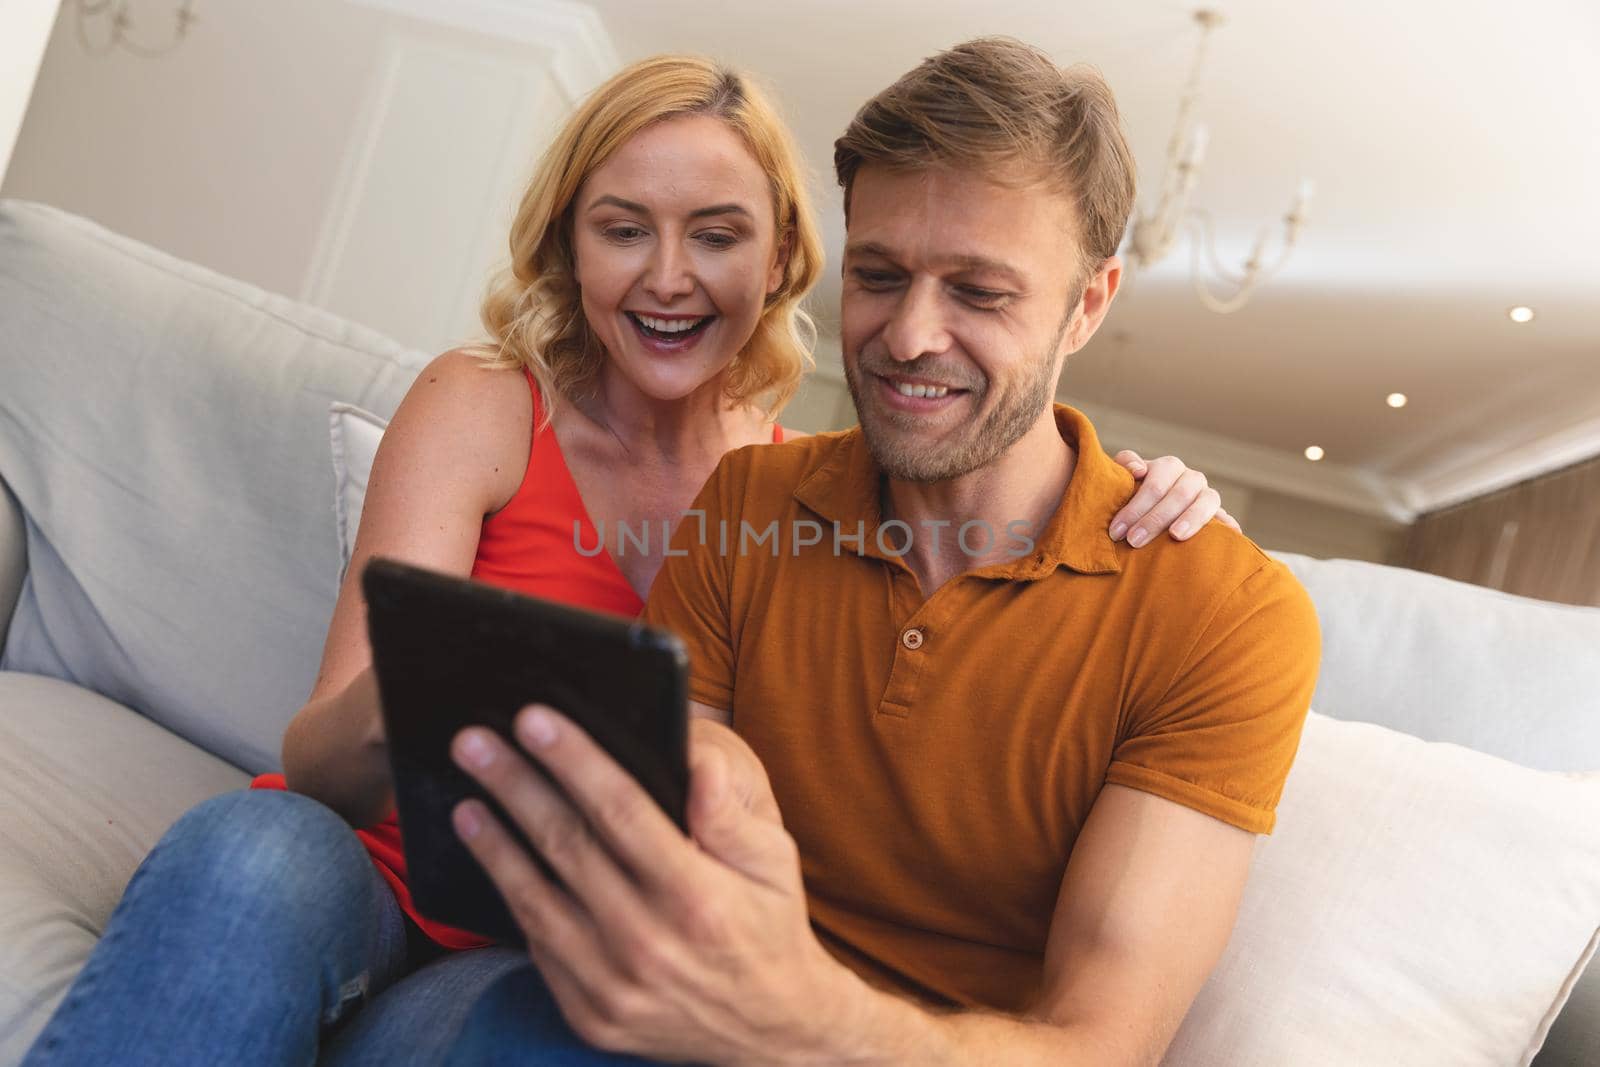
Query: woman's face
{"type": "Point", "coordinates": [677, 250]}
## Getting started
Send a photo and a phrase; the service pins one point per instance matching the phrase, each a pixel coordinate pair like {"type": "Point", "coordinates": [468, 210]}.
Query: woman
{"type": "Point", "coordinates": [651, 322]}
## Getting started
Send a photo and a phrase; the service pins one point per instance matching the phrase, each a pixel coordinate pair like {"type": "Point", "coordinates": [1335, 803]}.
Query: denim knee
{"type": "Point", "coordinates": [256, 922]}
{"type": "Point", "coordinates": [264, 850]}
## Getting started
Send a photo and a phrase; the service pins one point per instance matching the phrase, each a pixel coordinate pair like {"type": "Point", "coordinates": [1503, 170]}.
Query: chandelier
{"type": "Point", "coordinates": [1155, 233]}
{"type": "Point", "coordinates": [115, 28]}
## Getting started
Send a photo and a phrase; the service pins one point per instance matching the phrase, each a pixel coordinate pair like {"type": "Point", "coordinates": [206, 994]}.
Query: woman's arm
{"type": "Point", "coordinates": [455, 451]}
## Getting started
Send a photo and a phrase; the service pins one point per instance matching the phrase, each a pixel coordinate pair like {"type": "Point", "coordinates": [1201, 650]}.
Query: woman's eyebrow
{"type": "Point", "coordinates": [698, 213]}
{"type": "Point", "coordinates": [720, 209]}
{"type": "Point", "coordinates": [617, 201]}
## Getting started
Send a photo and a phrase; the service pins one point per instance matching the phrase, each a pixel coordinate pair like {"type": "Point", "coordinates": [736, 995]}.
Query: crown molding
{"type": "Point", "coordinates": [1495, 465]}
{"type": "Point", "coordinates": [1470, 472]}
{"type": "Point", "coordinates": [581, 52]}
{"type": "Point", "coordinates": [1226, 458]}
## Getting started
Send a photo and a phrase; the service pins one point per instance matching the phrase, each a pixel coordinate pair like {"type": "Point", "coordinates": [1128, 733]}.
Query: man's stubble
{"type": "Point", "coordinates": [1013, 415]}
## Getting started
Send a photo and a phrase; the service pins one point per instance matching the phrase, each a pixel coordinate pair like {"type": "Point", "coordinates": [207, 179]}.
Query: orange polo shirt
{"type": "Point", "coordinates": [935, 757]}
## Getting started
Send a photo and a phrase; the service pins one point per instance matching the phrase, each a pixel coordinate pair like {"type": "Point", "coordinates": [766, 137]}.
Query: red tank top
{"type": "Point", "coordinates": [530, 545]}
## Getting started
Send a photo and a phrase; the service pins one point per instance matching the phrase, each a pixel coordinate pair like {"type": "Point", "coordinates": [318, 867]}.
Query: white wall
{"type": "Point", "coordinates": [1285, 523]}
{"type": "Point", "coordinates": [418, 218]}
{"type": "Point", "coordinates": [354, 156]}
{"type": "Point", "coordinates": [24, 31]}
{"type": "Point", "coordinates": [224, 151]}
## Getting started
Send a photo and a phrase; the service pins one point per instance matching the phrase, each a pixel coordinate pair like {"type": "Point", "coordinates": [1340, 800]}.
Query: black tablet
{"type": "Point", "coordinates": [451, 653]}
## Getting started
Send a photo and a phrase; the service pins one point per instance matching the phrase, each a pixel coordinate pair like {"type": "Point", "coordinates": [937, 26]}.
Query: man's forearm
{"type": "Point", "coordinates": [882, 1030]}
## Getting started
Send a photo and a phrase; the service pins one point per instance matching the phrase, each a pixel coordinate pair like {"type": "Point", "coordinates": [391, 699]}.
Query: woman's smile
{"type": "Point", "coordinates": [669, 334]}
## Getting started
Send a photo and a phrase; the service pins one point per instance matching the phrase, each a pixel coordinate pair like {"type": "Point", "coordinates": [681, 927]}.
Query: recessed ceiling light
{"type": "Point", "coordinates": [1315, 453]}
{"type": "Point", "coordinates": [1520, 313]}
{"type": "Point", "coordinates": [1397, 400]}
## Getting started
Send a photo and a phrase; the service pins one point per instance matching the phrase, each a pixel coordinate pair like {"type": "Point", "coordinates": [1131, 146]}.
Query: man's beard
{"type": "Point", "coordinates": [975, 443]}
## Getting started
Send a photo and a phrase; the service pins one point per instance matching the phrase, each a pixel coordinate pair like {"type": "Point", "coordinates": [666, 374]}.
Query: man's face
{"type": "Point", "coordinates": [955, 316]}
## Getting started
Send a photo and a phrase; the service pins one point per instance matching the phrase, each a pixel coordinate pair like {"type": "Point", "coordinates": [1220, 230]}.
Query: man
{"type": "Point", "coordinates": [1019, 767]}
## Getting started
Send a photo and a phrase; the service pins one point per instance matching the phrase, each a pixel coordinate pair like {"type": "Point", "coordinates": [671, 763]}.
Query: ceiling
{"type": "Point", "coordinates": [1455, 148]}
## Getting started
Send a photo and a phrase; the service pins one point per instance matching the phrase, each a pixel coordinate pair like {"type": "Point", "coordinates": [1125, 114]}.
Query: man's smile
{"type": "Point", "coordinates": [918, 394]}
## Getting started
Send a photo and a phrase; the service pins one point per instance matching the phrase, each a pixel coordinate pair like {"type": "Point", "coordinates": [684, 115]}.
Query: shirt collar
{"type": "Point", "coordinates": [843, 489]}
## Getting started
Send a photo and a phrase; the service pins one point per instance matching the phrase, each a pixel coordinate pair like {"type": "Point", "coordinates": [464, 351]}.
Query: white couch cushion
{"type": "Point", "coordinates": [1418, 904]}
{"type": "Point", "coordinates": [86, 788]}
{"type": "Point", "coordinates": [354, 434]}
{"type": "Point", "coordinates": [1446, 661]}
{"type": "Point", "coordinates": [163, 430]}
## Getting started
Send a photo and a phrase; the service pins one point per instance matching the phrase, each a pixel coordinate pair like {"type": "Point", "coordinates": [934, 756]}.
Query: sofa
{"type": "Point", "coordinates": [171, 509]}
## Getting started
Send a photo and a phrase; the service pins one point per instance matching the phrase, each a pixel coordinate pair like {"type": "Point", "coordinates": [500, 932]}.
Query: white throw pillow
{"type": "Point", "coordinates": [354, 434]}
{"type": "Point", "coordinates": [1446, 661]}
{"type": "Point", "coordinates": [1419, 903]}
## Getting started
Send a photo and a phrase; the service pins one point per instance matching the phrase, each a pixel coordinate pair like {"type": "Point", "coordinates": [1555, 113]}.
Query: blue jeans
{"type": "Point", "coordinates": [258, 932]}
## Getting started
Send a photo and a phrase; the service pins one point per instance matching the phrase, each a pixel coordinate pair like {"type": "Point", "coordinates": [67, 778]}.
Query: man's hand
{"type": "Point", "coordinates": [716, 751]}
{"type": "Point", "coordinates": [693, 948]}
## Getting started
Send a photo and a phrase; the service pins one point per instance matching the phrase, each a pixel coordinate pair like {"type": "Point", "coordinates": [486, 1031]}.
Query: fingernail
{"type": "Point", "coordinates": [474, 750]}
{"type": "Point", "coordinates": [468, 822]}
{"type": "Point", "coordinates": [1138, 537]}
{"type": "Point", "coordinates": [1118, 529]}
{"type": "Point", "coordinates": [536, 728]}
{"type": "Point", "coordinates": [1180, 530]}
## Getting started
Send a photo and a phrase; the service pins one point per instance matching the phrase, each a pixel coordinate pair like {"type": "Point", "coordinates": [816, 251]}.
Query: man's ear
{"type": "Point", "coordinates": [1098, 293]}
{"type": "Point", "coordinates": [780, 263]}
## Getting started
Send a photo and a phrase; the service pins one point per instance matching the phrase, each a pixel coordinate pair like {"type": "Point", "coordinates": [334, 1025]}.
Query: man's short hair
{"type": "Point", "coordinates": [1003, 107]}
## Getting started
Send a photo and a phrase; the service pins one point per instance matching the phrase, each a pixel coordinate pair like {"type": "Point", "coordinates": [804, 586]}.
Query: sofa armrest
{"type": "Point", "coordinates": [13, 557]}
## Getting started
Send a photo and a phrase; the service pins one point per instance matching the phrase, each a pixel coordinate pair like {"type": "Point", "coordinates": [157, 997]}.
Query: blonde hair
{"type": "Point", "coordinates": [993, 103]}
{"type": "Point", "coordinates": [533, 310]}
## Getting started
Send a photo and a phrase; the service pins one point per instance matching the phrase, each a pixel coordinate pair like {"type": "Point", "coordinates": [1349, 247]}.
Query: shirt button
{"type": "Point", "coordinates": [912, 639]}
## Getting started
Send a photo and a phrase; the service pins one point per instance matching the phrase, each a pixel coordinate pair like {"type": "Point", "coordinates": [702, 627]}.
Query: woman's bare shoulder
{"type": "Point", "coordinates": [461, 371]}
{"type": "Point", "coordinates": [460, 386]}
{"type": "Point", "coordinates": [475, 417]}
